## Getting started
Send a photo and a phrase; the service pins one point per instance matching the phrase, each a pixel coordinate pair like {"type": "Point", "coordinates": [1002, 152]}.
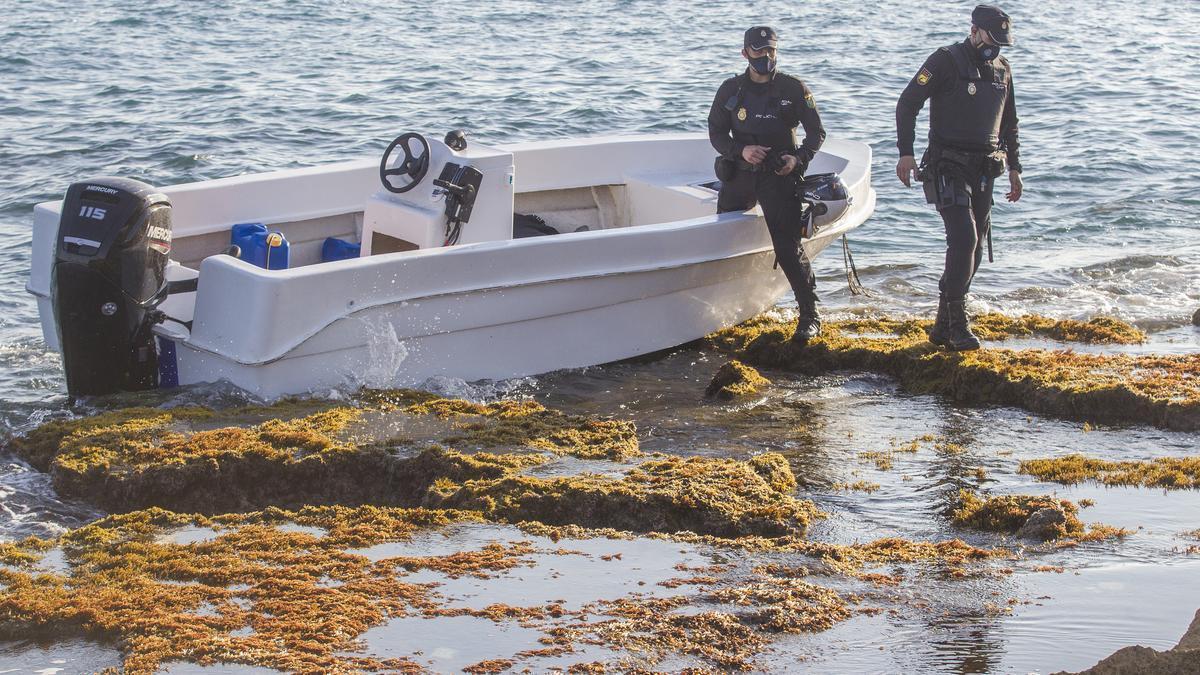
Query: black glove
{"type": "Point", "coordinates": [776, 160]}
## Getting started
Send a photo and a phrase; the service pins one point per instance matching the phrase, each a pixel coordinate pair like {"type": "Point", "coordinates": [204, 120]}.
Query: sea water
{"type": "Point", "coordinates": [174, 91]}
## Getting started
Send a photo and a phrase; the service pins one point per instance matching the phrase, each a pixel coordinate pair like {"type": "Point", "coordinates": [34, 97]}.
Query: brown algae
{"type": "Point", "coordinates": [259, 591]}
{"type": "Point", "coordinates": [721, 497]}
{"type": "Point", "coordinates": [990, 326]}
{"type": "Point", "coordinates": [254, 592]}
{"type": "Point", "coordinates": [728, 640]}
{"type": "Point", "coordinates": [138, 458]}
{"type": "Point", "coordinates": [735, 380]}
{"type": "Point", "coordinates": [1171, 473]}
{"type": "Point", "coordinates": [163, 602]}
{"type": "Point", "coordinates": [1159, 390]}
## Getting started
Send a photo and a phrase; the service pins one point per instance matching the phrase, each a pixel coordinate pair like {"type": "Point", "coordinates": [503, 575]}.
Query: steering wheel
{"type": "Point", "coordinates": [412, 166]}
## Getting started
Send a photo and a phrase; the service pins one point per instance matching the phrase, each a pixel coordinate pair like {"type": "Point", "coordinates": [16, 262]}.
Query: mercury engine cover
{"type": "Point", "coordinates": [114, 237]}
{"type": "Point", "coordinates": [828, 195]}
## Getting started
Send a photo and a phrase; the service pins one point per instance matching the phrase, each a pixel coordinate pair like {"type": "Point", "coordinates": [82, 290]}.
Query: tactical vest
{"type": "Point", "coordinates": [759, 117]}
{"type": "Point", "coordinates": [968, 116]}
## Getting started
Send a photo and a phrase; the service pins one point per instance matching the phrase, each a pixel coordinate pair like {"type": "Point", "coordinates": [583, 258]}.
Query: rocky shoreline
{"type": "Point", "coordinates": [281, 535]}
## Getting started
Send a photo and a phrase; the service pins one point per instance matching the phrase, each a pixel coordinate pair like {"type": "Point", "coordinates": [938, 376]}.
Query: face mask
{"type": "Point", "coordinates": [763, 65]}
{"type": "Point", "coordinates": [987, 52]}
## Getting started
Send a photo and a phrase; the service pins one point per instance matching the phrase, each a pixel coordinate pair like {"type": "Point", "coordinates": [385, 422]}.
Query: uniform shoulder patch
{"type": "Point", "coordinates": [810, 101]}
{"type": "Point", "coordinates": [924, 77]}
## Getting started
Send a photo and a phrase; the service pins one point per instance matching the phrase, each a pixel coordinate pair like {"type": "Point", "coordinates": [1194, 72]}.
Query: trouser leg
{"type": "Point", "coordinates": [966, 221]}
{"type": "Point", "coordinates": [981, 208]}
{"type": "Point", "coordinates": [738, 194]}
{"type": "Point", "coordinates": [962, 242]}
{"type": "Point", "coordinates": [781, 209]}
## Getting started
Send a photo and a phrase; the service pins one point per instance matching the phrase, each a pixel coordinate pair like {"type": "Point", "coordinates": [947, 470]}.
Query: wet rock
{"type": "Point", "coordinates": [734, 380]}
{"type": "Point", "coordinates": [1035, 517]}
{"type": "Point", "coordinates": [1196, 318]}
{"type": "Point", "coordinates": [1183, 659]}
{"type": "Point", "coordinates": [1044, 524]}
{"type": "Point", "coordinates": [1191, 639]}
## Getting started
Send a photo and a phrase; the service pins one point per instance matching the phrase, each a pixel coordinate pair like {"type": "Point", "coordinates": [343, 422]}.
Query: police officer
{"type": "Point", "coordinates": [972, 135]}
{"type": "Point", "coordinates": [752, 124]}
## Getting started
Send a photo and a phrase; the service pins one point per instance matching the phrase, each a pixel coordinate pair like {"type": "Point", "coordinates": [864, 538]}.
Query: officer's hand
{"type": "Point", "coordinates": [789, 165]}
{"type": "Point", "coordinates": [755, 154]}
{"type": "Point", "coordinates": [906, 169]}
{"type": "Point", "coordinates": [1015, 186]}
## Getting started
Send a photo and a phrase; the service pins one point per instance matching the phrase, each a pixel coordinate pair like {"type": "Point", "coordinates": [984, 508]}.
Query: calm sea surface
{"type": "Point", "coordinates": [173, 91]}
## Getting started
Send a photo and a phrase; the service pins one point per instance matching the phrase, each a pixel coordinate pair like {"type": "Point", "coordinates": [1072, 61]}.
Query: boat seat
{"type": "Point", "coordinates": [667, 196]}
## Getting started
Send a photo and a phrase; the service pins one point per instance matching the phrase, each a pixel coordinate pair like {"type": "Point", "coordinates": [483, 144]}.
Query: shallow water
{"type": "Point", "coordinates": [180, 91]}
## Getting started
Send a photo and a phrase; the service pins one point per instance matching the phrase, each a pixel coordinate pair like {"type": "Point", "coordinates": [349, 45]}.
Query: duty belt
{"type": "Point", "coordinates": [743, 165]}
{"type": "Point", "coordinates": [963, 157]}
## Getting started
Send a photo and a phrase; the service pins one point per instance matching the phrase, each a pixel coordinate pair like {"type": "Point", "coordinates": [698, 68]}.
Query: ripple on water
{"type": "Point", "coordinates": [72, 655]}
{"type": "Point", "coordinates": [1095, 233]}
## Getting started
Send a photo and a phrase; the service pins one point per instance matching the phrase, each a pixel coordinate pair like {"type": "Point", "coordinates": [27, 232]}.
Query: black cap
{"type": "Point", "coordinates": [760, 37]}
{"type": "Point", "coordinates": [992, 19]}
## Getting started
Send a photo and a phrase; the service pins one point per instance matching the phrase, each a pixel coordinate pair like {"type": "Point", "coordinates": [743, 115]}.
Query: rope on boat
{"type": "Point", "coordinates": [852, 280]}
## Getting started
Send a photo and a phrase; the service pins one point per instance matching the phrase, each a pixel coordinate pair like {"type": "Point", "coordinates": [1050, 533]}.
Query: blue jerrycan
{"type": "Point", "coordinates": [268, 250]}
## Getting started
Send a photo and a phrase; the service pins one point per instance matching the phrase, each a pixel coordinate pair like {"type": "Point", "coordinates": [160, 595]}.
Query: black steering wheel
{"type": "Point", "coordinates": [412, 166]}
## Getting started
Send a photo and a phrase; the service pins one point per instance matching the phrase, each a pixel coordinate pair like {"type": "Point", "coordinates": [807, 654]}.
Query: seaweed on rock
{"type": "Point", "coordinates": [253, 589]}
{"type": "Point", "coordinates": [1159, 390]}
{"type": "Point", "coordinates": [162, 601]}
{"type": "Point", "coordinates": [1034, 517]}
{"type": "Point", "coordinates": [1171, 473]}
{"type": "Point", "coordinates": [735, 380]}
{"type": "Point", "coordinates": [302, 454]}
{"type": "Point", "coordinates": [721, 497]}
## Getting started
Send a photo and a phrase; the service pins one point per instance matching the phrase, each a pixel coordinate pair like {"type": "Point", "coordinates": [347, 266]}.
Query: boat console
{"type": "Point", "coordinates": [436, 195]}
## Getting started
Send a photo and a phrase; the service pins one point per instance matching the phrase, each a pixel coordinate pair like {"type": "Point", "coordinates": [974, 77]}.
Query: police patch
{"type": "Point", "coordinates": [971, 88]}
{"type": "Point", "coordinates": [924, 77]}
{"type": "Point", "coordinates": [741, 114]}
{"type": "Point", "coordinates": [808, 100]}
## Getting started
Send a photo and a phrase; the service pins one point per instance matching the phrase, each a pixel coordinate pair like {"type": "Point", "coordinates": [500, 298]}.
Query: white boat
{"type": "Point", "coordinates": [643, 263]}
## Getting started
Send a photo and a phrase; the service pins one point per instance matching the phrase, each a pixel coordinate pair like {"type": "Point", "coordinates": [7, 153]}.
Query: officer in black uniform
{"type": "Point", "coordinates": [972, 135]}
{"type": "Point", "coordinates": [752, 123]}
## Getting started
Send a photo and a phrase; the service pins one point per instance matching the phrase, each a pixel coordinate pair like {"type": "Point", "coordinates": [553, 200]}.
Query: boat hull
{"type": "Point", "coordinates": [405, 344]}
{"type": "Point", "coordinates": [662, 269]}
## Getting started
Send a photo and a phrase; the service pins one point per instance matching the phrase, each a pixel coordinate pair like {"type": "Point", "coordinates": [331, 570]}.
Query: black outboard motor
{"type": "Point", "coordinates": [828, 198]}
{"type": "Point", "coordinates": [114, 237]}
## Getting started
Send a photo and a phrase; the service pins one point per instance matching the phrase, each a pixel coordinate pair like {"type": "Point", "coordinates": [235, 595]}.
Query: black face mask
{"type": "Point", "coordinates": [763, 65]}
{"type": "Point", "coordinates": [987, 52]}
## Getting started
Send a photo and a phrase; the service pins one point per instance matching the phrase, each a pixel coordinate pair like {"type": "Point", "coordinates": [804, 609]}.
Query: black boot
{"type": "Point", "coordinates": [941, 328]}
{"type": "Point", "coordinates": [959, 337]}
{"type": "Point", "coordinates": [808, 324]}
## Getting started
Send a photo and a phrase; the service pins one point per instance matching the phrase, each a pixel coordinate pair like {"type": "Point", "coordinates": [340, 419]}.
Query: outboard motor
{"type": "Point", "coordinates": [114, 237]}
{"type": "Point", "coordinates": [827, 195]}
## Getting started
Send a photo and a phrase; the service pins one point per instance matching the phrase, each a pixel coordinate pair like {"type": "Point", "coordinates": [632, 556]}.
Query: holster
{"type": "Point", "coordinates": [993, 165]}
{"type": "Point", "coordinates": [943, 173]}
{"type": "Point", "coordinates": [725, 169]}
